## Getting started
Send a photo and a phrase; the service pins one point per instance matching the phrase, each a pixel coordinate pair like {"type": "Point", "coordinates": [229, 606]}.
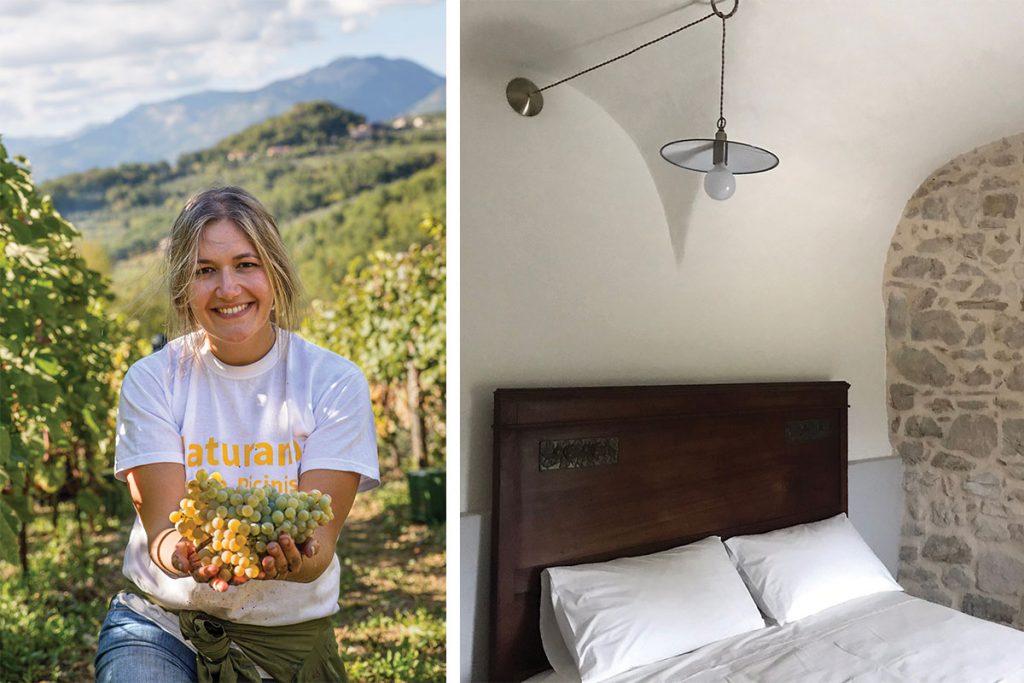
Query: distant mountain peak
{"type": "Point", "coordinates": [380, 88]}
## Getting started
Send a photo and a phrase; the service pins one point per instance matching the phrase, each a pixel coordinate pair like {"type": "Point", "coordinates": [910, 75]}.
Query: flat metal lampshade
{"type": "Point", "coordinates": [698, 155]}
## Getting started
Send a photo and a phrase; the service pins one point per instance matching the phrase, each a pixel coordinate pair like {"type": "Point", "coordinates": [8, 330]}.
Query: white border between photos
{"type": "Point", "coordinates": [453, 477]}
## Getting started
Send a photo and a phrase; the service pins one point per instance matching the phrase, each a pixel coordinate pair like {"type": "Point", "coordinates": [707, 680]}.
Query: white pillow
{"type": "Point", "coordinates": [617, 615]}
{"type": "Point", "coordinates": [799, 571]}
{"type": "Point", "coordinates": [551, 638]}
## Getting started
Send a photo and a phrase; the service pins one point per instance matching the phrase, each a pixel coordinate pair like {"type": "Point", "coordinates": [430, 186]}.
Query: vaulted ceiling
{"type": "Point", "coordinates": [874, 92]}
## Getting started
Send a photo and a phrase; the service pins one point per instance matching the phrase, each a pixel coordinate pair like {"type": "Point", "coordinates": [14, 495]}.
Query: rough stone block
{"type": "Point", "coordinates": [968, 269]}
{"type": "Point", "coordinates": [896, 317]}
{"type": "Point", "coordinates": [1013, 436]}
{"type": "Point", "coordinates": [934, 209]}
{"type": "Point", "coordinates": [988, 529]}
{"type": "Point", "coordinates": [908, 553]}
{"type": "Point", "coordinates": [965, 206]}
{"type": "Point", "coordinates": [1000, 574]}
{"type": "Point", "coordinates": [953, 463]}
{"type": "Point", "coordinates": [916, 508]}
{"type": "Point", "coordinates": [994, 182]}
{"type": "Point", "coordinates": [985, 305]}
{"type": "Point", "coordinates": [1009, 331]}
{"type": "Point", "coordinates": [901, 396]}
{"type": "Point", "coordinates": [948, 549]}
{"type": "Point", "coordinates": [923, 299]}
{"type": "Point", "coordinates": [920, 427]}
{"type": "Point", "coordinates": [919, 575]}
{"type": "Point", "coordinates": [971, 245]}
{"type": "Point", "coordinates": [994, 509]}
{"type": "Point", "coordinates": [935, 245]}
{"type": "Point", "coordinates": [1001, 205]}
{"type": "Point", "coordinates": [984, 484]}
{"type": "Point", "coordinates": [912, 452]}
{"type": "Point", "coordinates": [941, 405]}
{"type": "Point", "coordinates": [922, 367]}
{"type": "Point", "coordinates": [992, 224]}
{"type": "Point", "coordinates": [956, 578]}
{"type": "Point", "coordinates": [987, 290]}
{"type": "Point", "coordinates": [930, 592]}
{"type": "Point", "coordinates": [918, 267]}
{"type": "Point", "coordinates": [912, 528]}
{"type": "Point", "coordinates": [1000, 256]}
{"type": "Point", "coordinates": [932, 324]}
{"type": "Point", "coordinates": [989, 609]}
{"type": "Point", "coordinates": [943, 514]}
{"type": "Point", "coordinates": [972, 434]}
{"type": "Point", "coordinates": [1015, 380]}
{"type": "Point", "coordinates": [977, 336]}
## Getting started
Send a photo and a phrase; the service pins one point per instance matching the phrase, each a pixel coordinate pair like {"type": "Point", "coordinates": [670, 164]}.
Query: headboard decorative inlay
{"type": "Point", "coordinates": [568, 454]}
{"type": "Point", "coordinates": [703, 460]}
{"type": "Point", "coordinates": [799, 431]}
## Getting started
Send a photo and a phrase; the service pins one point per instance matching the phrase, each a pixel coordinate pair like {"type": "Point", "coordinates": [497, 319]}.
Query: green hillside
{"type": "Point", "coordinates": [308, 124]}
{"type": "Point", "coordinates": [338, 189]}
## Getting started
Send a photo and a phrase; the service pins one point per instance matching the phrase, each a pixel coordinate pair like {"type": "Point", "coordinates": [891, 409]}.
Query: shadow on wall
{"type": "Point", "coordinates": [955, 377]}
{"type": "Point", "coordinates": [499, 49]}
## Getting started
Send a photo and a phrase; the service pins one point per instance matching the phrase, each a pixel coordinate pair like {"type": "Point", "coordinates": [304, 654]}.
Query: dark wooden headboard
{"type": "Point", "coordinates": [586, 475]}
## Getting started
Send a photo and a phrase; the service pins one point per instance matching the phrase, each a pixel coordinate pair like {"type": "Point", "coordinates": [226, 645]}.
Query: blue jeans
{"type": "Point", "coordinates": [133, 648]}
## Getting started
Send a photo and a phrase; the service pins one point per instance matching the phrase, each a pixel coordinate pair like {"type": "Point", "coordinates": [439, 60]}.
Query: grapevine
{"type": "Point", "coordinates": [61, 357]}
{"type": "Point", "coordinates": [389, 318]}
{"type": "Point", "coordinates": [231, 526]}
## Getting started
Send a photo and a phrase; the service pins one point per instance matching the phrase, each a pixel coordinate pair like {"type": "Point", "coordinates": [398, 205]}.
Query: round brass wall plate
{"type": "Point", "coordinates": [524, 97]}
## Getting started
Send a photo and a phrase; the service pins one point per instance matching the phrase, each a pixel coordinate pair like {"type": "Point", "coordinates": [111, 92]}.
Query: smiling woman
{"type": "Point", "coordinates": [231, 298]}
{"type": "Point", "coordinates": [226, 252]}
{"type": "Point", "coordinates": [234, 379]}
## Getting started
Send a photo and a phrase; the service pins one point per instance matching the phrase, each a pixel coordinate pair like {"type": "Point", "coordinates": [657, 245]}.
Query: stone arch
{"type": "Point", "coordinates": [953, 286]}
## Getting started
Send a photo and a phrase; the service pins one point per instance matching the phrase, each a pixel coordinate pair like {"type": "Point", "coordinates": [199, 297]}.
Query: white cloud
{"type": "Point", "coordinates": [64, 62]}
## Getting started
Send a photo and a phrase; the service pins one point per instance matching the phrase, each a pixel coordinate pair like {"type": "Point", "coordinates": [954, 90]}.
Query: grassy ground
{"type": "Point", "coordinates": [391, 626]}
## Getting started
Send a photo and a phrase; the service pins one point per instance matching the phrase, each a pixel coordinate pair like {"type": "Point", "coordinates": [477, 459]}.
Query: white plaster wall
{"type": "Point", "coordinates": [587, 260]}
{"type": "Point", "coordinates": [565, 266]}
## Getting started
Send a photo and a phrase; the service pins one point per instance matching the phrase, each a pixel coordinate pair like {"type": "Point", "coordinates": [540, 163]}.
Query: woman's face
{"type": "Point", "coordinates": [231, 296]}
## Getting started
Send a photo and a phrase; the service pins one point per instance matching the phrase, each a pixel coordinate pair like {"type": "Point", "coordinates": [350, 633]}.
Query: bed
{"type": "Point", "coordinates": [587, 475]}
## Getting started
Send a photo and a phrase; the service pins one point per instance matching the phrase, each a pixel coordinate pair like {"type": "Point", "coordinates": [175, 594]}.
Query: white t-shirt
{"type": "Point", "coordinates": [298, 408]}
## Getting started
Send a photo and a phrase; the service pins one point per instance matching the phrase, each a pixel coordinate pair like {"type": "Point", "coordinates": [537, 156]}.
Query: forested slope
{"type": "Point", "coordinates": [340, 189]}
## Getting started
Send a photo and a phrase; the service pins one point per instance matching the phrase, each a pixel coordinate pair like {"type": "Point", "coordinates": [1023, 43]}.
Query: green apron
{"type": "Point", "coordinates": [282, 651]}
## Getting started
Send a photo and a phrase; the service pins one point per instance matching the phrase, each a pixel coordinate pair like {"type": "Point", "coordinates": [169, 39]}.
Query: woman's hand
{"type": "Point", "coordinates": [186, 560]}
{"type": "Point", "coordinates": [286, 559]}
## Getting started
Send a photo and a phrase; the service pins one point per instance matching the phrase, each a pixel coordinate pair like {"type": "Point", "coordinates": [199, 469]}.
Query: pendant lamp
{"type": "Point", "coordinates": [720, 159]}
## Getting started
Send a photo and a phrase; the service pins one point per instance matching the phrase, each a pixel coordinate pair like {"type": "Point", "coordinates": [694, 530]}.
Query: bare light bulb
{"type": "Point", "coordinates": [719, 182]}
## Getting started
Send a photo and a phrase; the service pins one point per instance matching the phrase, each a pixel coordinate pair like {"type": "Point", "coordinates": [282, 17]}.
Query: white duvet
{"type": "Point", "coordinates": [887, 637]}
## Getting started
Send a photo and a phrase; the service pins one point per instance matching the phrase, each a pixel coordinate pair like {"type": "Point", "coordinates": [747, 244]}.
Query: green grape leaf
{"type": "Point", "coordinates": [8, 535]}
{"type": "Point", "coordinates": [49, 365]}
{"type": "Point", "coordinates": [20, 504]}
{"type": "Point", "coordinates": [88, 502]}
{"type": "Point", "coordinates": [90, 421]}
{"type": "Point", "coordinates": [5, 446]}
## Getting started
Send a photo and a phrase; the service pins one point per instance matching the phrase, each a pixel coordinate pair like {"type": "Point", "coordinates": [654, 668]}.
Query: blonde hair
{"type": "Point", "coordinates": [253, 219]}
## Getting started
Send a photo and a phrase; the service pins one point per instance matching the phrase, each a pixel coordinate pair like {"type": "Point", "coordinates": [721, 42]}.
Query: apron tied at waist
{"type": "Point", "coordinates": [290, 654]}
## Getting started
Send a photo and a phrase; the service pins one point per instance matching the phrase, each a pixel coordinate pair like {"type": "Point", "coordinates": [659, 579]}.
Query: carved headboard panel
{"type": "Point", "coordinates": [585, 475]}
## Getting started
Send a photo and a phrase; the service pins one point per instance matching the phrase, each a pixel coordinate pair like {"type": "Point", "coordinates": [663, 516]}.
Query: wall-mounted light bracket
{"type": "Point", "coordinates": [693, 154]}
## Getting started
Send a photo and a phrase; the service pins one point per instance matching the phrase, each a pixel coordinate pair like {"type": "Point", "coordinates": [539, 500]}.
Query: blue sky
{"type": "Point", "coordinates": [66, 64]}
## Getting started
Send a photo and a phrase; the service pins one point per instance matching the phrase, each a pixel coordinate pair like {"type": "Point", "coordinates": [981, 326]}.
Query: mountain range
{"type": "Point", "coordinates": [377, 87]}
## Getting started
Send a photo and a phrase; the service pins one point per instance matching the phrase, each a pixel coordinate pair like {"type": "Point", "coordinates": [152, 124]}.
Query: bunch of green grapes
{"type": "Point", "coordinates": [231, 526]}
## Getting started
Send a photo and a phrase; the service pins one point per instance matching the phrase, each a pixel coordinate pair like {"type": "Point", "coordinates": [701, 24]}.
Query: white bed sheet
{"type": "Point", "coordinates": [885, 638]}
